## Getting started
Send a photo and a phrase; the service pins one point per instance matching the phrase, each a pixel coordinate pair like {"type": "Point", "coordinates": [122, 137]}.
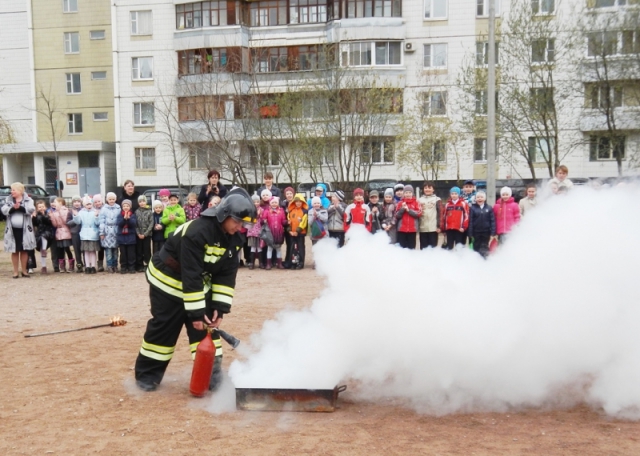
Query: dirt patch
{"type": "Point", "coordinates": [73, 393]}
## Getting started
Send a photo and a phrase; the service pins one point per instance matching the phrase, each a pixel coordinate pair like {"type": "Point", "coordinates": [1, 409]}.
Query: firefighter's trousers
{"type": "Point", "coordinates": [163, 329]}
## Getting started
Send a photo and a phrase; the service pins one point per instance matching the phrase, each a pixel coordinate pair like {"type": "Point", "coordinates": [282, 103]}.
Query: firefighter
{"type": "Point", "coordinates": [191, 283]}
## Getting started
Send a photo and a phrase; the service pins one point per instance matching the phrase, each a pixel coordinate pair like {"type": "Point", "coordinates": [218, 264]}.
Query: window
{"type": "Point", "coordinates": [603, 97]}
{"type": "Point", "coordinates": [602, 44]}
{"type": "Point", "coordinates": [544, 7]}
{"type": "Point", "coordinates": [482, 53]}
{"type": "Point", "coordinates": [203, 14]}
{"type": "Point", "coordinates": [435, 55]}
{"type": "Point", "coordinates": [542, 99]}
{"type": "Point", "coordinates": [73, 83]}
{"type": "Point", "coordinates": [69, 6]}
{"type": "Point", "coordinates": [145, 158]}
{"type": "Point", "coordinates": [543, 51]}
{"type": "Point", "coordinates": [374, 8]}
{"type": "Point", "coordinates": [379, 152]}
{"type": "Point", "coordinates": [606, 148]}
{"type": "Point", "coordinates": [98, 75]}
{"type": "Point", "coordinates": [71, 43]}
{"type": "Point", "coordinates": [143, 114]}
{"type": "Point", "coordinates": [540, 149]}
{"type": "Point", "coordinates": [435, 104]}
{"type": "Point", "coordinates": [388, 52]}
{"type": "Point", "coordinates": [74, 122]}
{"type": "Point", "coordinates": [307, 11]}
{"type": "Point", "coordinates": [480, 149]}
{"type": "Point", "coordinates": [435, 9]}
{"type": "Point", "coordinates": [433, 152]}
{"type": "Point", "coordinates": [270, 12]}
{"type": "Point", "coordinates": [97, 34]}
{"type": "Point", "coordinates": [630, 42]}
{"type": "Point", "coordinates": [199, 156]}
{"type": "Point", "coordinates": [141, 68]}
{"type": "Point", "coordinates": [482, 8]}
{"type": "Point", "coordinates": [359, 54]}
{"type": "Point", "coordinates": [202, 108]}
{"type": "Point", "coordinates": [100, 116]}
{"type": "Point", "coordinates": [610, 3]}
{"type": "Point", "coordinates": [141, 23]}
{"type": "Point", "coordinates": [315, 107]}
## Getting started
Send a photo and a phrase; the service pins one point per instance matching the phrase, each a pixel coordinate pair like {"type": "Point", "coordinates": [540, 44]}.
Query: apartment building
{"type": "Point", "coordinates": [353, 90]}
{"type": "Point", "coordinates": [70, 97]}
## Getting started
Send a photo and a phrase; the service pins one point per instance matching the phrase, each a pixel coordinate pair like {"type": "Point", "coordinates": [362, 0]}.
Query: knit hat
{"type": "Point", "coordinates": [86, 200]}
{"type": "Point", "coordinates": [374, 193]}
{"type": "Point", "coordinates": [142, 198]}
{"type": "Point", "coordinates": [255, 197]}
{"type": "Point", "coordinates": [388, 192]}
{"type": "Point", "coordinates": [126, 201]}
{"type": "Point", "coordinates": [52, 198]}
{"type": "Point", "coordinates": [339, 194]}
{"type": "Point", "coordinates": [455, 190]}
{"type": "Point", "coordinates": [111, 195]}
{"type": "Point", "coordinates": [157, 203]}
{"type": "Point", "coordinates": [504, 190]}
{"type": "Point", "coordinates": [358, 191]}
{"type": "Point", "coordinates": [274, 198]}
{"type": "Point", "coordinates": [265, 192]}
{"type": "Point", "coordinates": [408, 188]}
{"type": "Point", "coordinates": [164, 192]}
{"type": "Point", "coordinates": [97, 197]}
{"type": "Point", "coordinates": [316, 199]}
{"type": "Point", "coordinates": [76, 198]}
{"type": "Point", "coordinates": [289, 189]}
{"type": "Point", "coordinates": [398, 187]}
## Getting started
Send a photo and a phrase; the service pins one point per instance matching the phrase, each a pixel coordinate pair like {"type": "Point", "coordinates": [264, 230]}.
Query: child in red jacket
{"type": "Point", "coordinates": [357, 212]}
{"type": "Point", "coordinates": [455, 219]}
{"type": "Point", "coordinates": [408, 215]}
{"type": "Point", "coordinates": [507, 213]}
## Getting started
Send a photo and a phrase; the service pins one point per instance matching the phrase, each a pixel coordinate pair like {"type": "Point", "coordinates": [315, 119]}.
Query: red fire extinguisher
{"type": "Point", "coordinates": [202, 366]}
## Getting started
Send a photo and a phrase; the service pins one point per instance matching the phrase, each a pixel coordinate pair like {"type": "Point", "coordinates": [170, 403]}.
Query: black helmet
{"type": "Point", "coordinates": [237, 204]}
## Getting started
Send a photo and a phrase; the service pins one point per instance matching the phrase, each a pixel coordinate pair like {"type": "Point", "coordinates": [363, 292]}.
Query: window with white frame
{"type": "Point", "coordinates": [435, 9]}
{"type": "Point", "coordinates": [606, 148]}
{"type": "Point", "coordinates": [543, 51]}
{"type": "Point", "coordinates": [434, 152]}
{"type": "Point", "coordinates": [481, 102]}
{"type": "Point", "coordinates": [435, 55]}
{"type": "Point", "coordinates": [142, 68]}
{"type": "Point", "coordinates": [482, 53]}
{"type": "Point", "coordinates": [540, 149]}
{"type": "Point", "coordinates": [145, 158]}
{"type": "Point", "coordinates": [435, 103]}
{"type": "Point", "coordinates": [602, 44]}
{"type": "Point", "coordinates": [143, 114]}
{"type": "Point", "coordinates": [74, 123]}
{"type": "Point", "coordinates": [543, 7]}
{"type": "Point", "coordinates": [379, 152]}
{"type": "Point", "coordinates": [480, 150]}
{"type": "Point", "coordinates": [71, 42]}
{"type": "Point", "coordinates": [73, 83]}
{"type": "Point", "coordinates": [630, 42]}
{"type": "Point", "coordinates": [482, 8]}
{"type": "Point", "coordinates": [600, 96]}
{"type": "Point", "coordinates": [314, 107]}
{"type": "Point", "coordinates": [141, 23]}
{"type": "Point", "coordinates": [69, 6]}
{"type": "Point", "coordinates": [97, 34]}
{"type": "Point", "coordinates": [98, 75]}
{"type": "Point", "coordinates": [611, 3]}
{"type": "Point", "coordinates": [368, 53]}
{"type": "Point", "coordinates": [100, 116]}
{"type": "Point", "coordinates": [541, 99]}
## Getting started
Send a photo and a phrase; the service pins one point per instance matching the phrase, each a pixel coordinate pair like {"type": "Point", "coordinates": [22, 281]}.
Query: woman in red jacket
{"type": "Point", "coordinates": [408, 215]}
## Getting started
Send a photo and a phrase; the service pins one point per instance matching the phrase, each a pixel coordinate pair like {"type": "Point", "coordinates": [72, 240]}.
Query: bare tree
{"type": "Point", "coordinates": [46, 106]}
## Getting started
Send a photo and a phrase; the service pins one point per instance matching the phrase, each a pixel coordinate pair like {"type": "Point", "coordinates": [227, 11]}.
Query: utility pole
{"type": "Point", "coordinates": [491, 107]}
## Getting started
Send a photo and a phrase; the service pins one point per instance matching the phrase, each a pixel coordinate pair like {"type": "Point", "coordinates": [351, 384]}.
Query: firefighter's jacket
{"type": "Point", "coordinates": [198, 265]}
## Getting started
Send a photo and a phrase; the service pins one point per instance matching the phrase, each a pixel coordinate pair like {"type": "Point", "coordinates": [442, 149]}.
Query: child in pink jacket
{"type": "Point", "coordinates": [507, 213]}
{"type": "Point", "coordinates": [59, 219]}
{"type": "Point", "coordinates": [275, 217]}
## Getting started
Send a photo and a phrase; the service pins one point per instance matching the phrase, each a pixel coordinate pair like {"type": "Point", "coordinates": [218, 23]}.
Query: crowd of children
{"type": "Point", "coordinates": [101, 233]}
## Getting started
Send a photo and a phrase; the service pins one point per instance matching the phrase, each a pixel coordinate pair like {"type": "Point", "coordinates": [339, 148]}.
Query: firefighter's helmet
{"type": "Point", "coordinates": [237, 204]}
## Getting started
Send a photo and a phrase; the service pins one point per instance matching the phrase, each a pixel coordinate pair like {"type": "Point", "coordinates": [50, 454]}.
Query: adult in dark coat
{"type": "Point", "coordinates": [212, 188]}
{"type": "Point", "coordinates": [129, 192]}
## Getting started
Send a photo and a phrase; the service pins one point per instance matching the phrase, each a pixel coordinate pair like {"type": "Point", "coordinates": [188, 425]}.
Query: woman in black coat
{"type": "Point", "coordinates": [128, 191]}
{"type": "Point", "coordinates": [213, 188]}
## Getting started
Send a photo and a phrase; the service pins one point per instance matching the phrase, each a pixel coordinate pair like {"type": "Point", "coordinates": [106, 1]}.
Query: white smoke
{"type": "Point", "coordinates": [553, 317]}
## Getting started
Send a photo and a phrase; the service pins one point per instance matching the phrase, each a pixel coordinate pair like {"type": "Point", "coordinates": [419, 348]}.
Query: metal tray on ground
{"type": "Point", "coordinates": [287, 400]}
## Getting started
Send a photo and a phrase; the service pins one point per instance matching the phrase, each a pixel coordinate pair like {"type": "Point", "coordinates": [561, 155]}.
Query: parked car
{"type": "Point", "coordinates": [308, 188]}
{"type": "Point", "coordinates": [152, 194]}
{"type": "Point", "coordinates": [380, 185]}
{"type": "Point", "coordinates": [34, 191]}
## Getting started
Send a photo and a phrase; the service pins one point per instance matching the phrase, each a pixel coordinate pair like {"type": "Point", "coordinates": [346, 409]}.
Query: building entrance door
{"type": "Point", "coordinates": [89, 171]}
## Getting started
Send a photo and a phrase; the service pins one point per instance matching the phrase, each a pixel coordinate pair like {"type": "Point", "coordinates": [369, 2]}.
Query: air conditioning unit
{"type": "Point", "coordinates": [408, 47]}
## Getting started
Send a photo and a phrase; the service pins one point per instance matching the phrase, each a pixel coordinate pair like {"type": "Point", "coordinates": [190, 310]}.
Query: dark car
{"type": "Point", "coordinates": [380, 185]}
{"type": "Point", "coordinates": [152, 194]}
